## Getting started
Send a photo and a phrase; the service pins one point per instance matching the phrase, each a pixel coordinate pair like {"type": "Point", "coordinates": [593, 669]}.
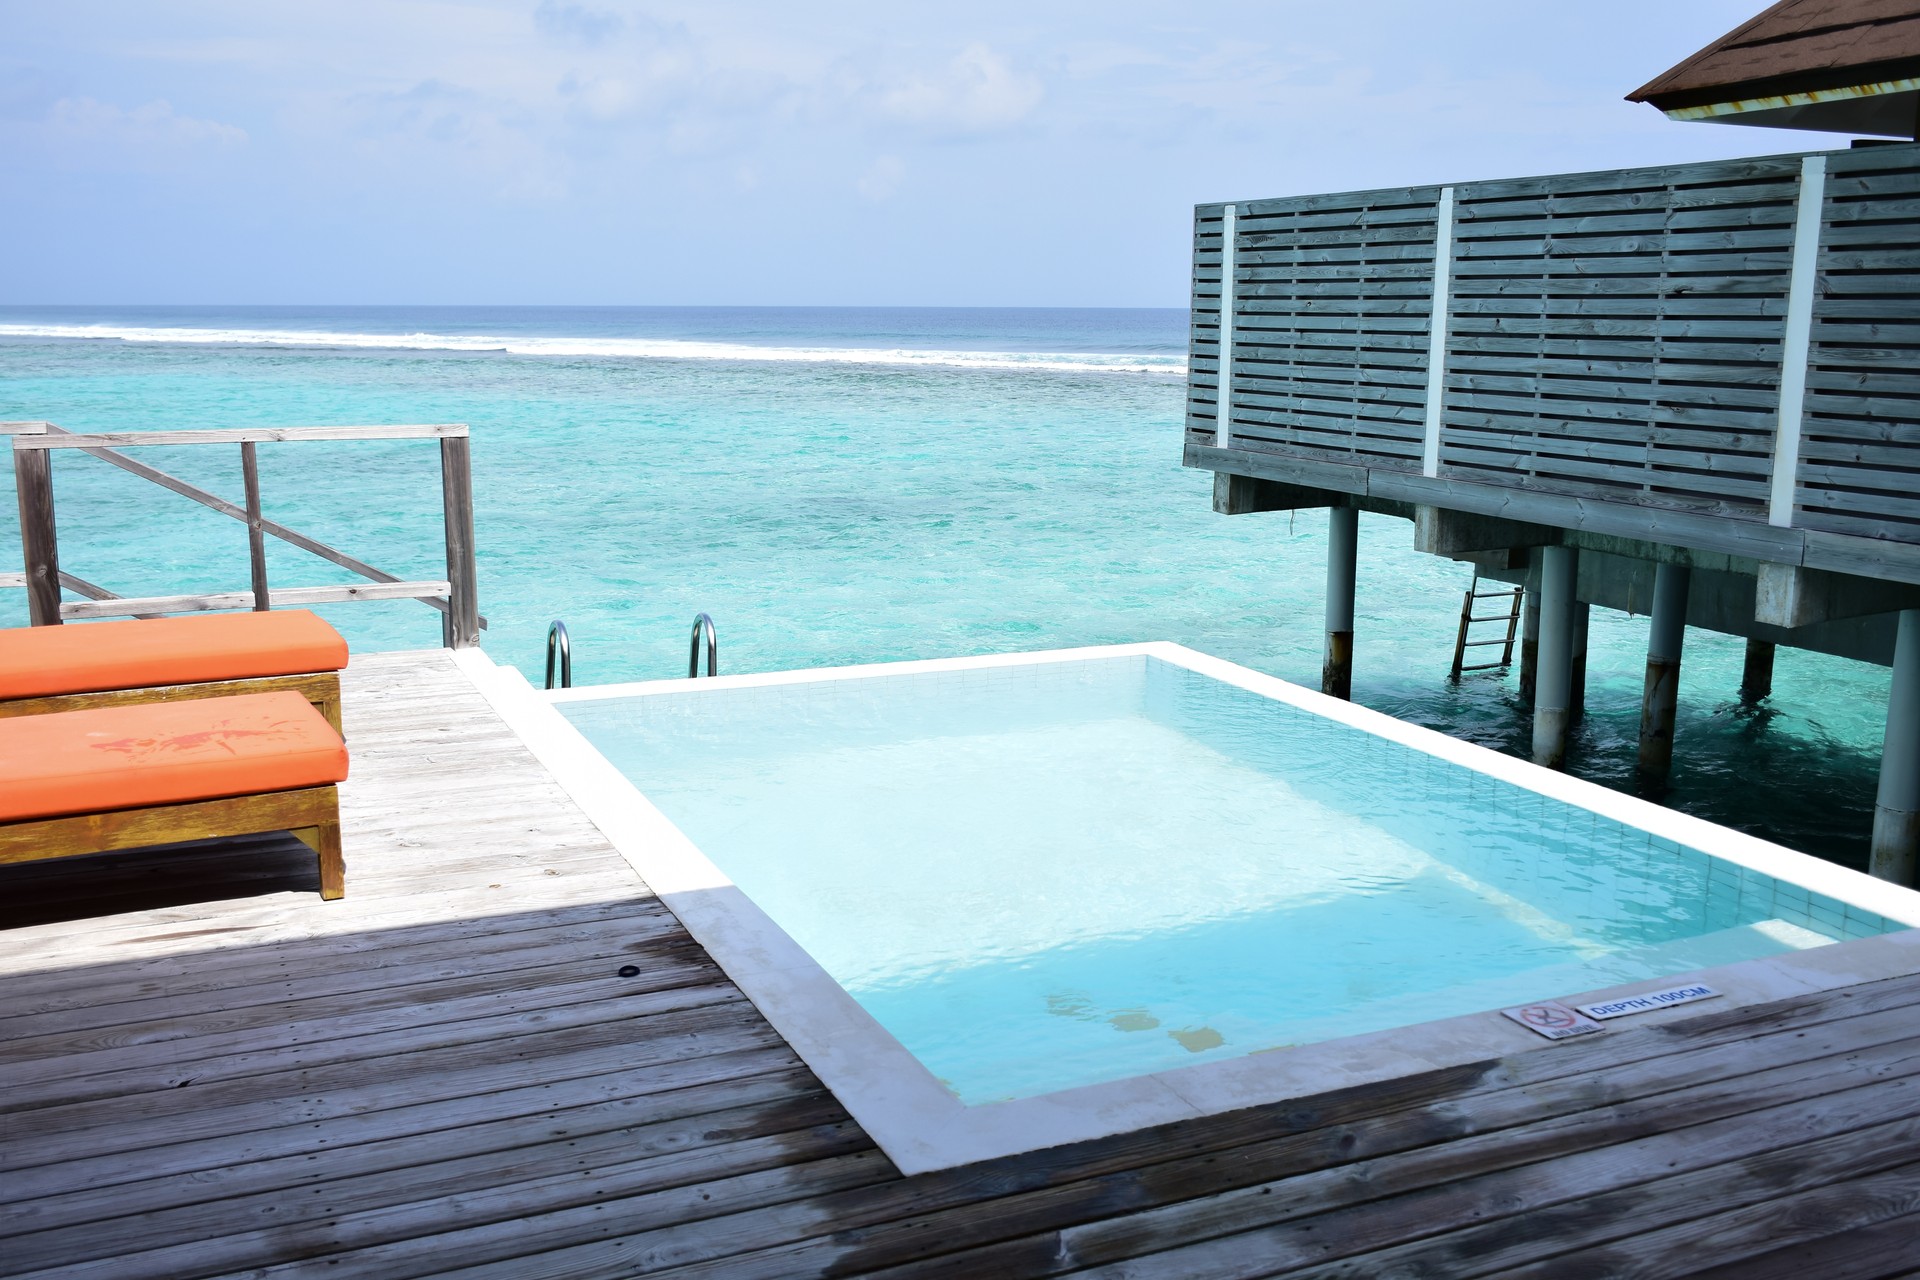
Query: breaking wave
{"type": "Point", "coordinates": [616, 348]}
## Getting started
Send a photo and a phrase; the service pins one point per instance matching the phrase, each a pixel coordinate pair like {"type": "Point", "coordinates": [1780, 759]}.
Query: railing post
{"type": "Point", "coordinates": [39, 544]}
{"type": "Point", "coordinates": [256, 535]}
{"type": "Point", "coordinates": [460, 628]}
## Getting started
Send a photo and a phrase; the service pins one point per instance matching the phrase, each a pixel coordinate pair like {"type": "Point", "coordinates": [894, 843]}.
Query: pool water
{"type": "Point", "coordinates": [1054, 874]}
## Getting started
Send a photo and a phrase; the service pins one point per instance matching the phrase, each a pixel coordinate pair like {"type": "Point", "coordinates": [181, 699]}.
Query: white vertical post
{"type": "Point", "coordinates": [1223, 402]}
{"type": "Point", "coordinates": [1794, 345]}
{"type": "Point", "coordinates": [1437, 329]}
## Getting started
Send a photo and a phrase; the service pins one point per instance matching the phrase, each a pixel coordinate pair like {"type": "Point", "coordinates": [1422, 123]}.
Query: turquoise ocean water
{"type": "Point", "coordinates": [834, 486]}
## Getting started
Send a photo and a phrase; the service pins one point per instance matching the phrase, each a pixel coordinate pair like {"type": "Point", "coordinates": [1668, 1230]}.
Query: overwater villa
{"type": "Point", "coordinates": [1119, 961]}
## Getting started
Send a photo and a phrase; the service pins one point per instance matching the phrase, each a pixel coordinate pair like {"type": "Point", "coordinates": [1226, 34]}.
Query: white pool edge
{"type": "Point", "coordinates": [921, 1126]}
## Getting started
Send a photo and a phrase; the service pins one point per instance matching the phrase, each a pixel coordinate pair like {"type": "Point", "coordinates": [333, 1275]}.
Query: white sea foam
{"type": "Point", "coordinates": [617, 348]}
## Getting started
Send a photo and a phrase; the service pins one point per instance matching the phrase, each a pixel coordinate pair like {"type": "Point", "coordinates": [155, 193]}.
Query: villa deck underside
{"type": "Point", "coordinates": [206, 1070]}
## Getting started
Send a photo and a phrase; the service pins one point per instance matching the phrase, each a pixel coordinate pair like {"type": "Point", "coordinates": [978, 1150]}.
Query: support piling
{"type": "Point", "coordinates": [1577, 673]}
{"type": "Point", "coordinates": [1756, 677]}
{"type": "Point", "coordinates": [1343, 545]}
{"type": "Point", "coordinates": [1896, 816]}
{"type": "Point", "coordinates": [1666, 637]}
{"type": "Point", "coordinates": [1530, 639]}
{"type": "Point", "coordinates": [1553, 686]}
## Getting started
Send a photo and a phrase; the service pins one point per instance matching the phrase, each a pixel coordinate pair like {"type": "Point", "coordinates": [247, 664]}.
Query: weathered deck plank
{"type": "Point", "coordinates": [205, 1070]}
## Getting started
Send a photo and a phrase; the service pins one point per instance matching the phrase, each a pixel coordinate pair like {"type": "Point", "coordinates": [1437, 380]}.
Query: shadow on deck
{"type": "Point", "coordinates": [205, 1070]}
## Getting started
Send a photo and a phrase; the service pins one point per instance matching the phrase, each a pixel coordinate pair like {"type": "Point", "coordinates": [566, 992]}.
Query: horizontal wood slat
{"type": "Point", "coordinates": [240, 435]}
{"type": "Point", "coordinates": [282, 598]}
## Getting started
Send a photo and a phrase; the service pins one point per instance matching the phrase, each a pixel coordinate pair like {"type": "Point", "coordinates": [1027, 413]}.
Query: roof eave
{"type": "Point", "coordinates": [1884, 108]}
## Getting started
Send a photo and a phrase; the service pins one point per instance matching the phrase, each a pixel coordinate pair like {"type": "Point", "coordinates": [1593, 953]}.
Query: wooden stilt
{"type": "Point", "coordinates": [1756, 677]}
{"type": "Point", "coordinates": [1343, 544]}
{"type": "Point", "coordinates": [1553, 688]}
{"type": "Point", "coordinates": [1896, 816]}
{"type": "Point", "coordinates": [1577, 671]}
{"type": "Point", "coordinates": [1530, 640]}
{"type": "Point", "coordinates": [1665, 639]}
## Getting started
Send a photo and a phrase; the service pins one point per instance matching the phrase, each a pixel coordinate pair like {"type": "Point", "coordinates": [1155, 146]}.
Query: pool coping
{"type": "Point", "coordinates": [922, 1126]}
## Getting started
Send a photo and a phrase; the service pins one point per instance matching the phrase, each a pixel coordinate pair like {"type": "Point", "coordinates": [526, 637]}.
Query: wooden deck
{"type": "Point", "coordinates": [205, 1070]}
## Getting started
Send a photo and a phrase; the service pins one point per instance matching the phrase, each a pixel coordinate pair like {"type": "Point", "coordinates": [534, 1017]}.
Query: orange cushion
{"type": "Point", "coordinates": [164, 753]}
{"type": "Point", "coordinates": [38, 662]}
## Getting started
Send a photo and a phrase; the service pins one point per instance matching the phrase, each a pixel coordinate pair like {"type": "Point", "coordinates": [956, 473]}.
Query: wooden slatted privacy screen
{"type": "Point", "coordinates": [1616, 337]}
{"type": "Point", "coordinates": [1330, 335]}
{"type": "Point", "coordinates": [1619, 335]}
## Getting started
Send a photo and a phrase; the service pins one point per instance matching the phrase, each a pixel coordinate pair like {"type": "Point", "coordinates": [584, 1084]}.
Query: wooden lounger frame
{"type": "Point", "coordinates": [312, 814]}
{"type": "Point", "coordinates": [322, 689]}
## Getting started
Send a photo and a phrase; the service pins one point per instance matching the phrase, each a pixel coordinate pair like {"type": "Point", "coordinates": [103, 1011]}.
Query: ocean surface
{"type": "Point", "coordinates": [833, 485]}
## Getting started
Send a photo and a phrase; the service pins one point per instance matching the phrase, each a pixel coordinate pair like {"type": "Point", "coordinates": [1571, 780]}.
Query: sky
{"type": "Point", "coordinates": [732, 152]}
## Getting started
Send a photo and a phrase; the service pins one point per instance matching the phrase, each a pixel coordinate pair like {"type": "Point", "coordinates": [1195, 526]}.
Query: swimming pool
{"type": "Point", "coordinates": [994, 901]}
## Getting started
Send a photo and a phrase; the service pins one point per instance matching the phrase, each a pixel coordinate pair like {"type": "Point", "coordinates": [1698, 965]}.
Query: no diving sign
{"type": "Point", "coordinates": [1554, 1021]}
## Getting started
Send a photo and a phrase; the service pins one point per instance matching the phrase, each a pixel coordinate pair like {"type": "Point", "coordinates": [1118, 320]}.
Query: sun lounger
{"type": "Point", "coordinates": [209, 655]}
{"type": "Point", "coordinates": [124, 777]}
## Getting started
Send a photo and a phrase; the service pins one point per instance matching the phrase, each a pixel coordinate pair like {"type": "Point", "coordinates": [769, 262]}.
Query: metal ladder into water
{"type": "Point", "coordinates": [560, 651]}
{"type": "Point", "coordinates": [1510, 615]}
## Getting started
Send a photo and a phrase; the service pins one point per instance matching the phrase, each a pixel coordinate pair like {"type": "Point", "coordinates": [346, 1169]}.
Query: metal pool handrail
{"type": "Point", "coordinates": [559, 642]}
{"type": "Point", "coordinates": [702, 622]}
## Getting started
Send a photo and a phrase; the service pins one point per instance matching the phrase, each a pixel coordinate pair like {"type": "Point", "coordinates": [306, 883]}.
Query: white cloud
{"type": "Point", "coordinates": [434, 125]}
{"type": "Point", "coordinates": [603, 98]}
{"type": "Point", "coordinates": [998, 124]}
{"type": "Point", "coordinates": [882, 178]}
{"type": "Point", "coordinates": [81, 133]}
{"type": "Point", "coordinates": [978, 91]}
{"type": "Point", "coordinates": [577, 22]}
{"type": "Point", "coordinates": [152, 125]}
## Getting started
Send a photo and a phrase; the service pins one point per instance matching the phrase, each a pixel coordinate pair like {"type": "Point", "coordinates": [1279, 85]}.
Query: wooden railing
{"type": "Point", "coordinates": [1726, 354]}
{"type": "Point", "coordinates": [33, 445]}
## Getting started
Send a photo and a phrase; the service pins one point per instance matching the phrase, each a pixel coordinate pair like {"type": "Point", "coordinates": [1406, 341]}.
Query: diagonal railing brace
{"type": "Point", "coordinates": [216, 503]}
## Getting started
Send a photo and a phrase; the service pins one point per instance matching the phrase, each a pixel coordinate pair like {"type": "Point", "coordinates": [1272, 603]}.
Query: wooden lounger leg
{"type": "Point", "coordinates": [333, 866]}
{"type": "Point", "coordinates": [324, 840]}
